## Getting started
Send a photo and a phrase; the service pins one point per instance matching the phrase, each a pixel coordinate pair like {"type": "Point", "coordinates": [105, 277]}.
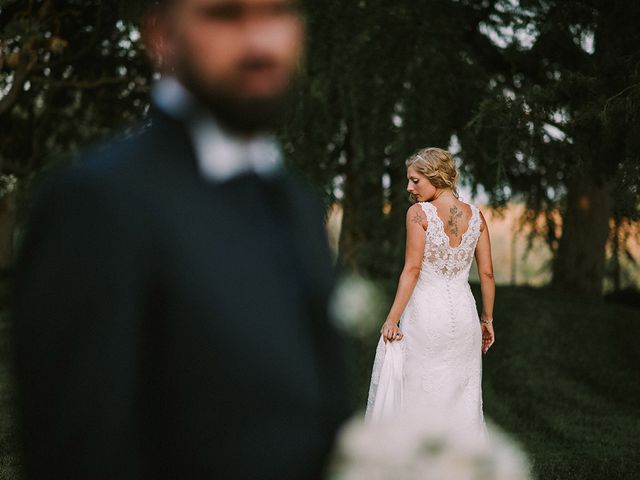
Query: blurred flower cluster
{"type": "Point", "coordinates": [8, 184]}
{"type": "Point", "coordinates": [357, 305]}
{"type": "Point", "coordinates": [421, 447]}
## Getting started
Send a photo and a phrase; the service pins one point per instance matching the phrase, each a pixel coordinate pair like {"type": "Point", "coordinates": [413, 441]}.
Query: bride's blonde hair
{"type": "Point", "coordinates": [438, 166]}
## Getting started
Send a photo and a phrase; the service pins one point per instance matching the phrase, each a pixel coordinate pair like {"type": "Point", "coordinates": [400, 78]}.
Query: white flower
{"type": "Point", "coordinates": [8, 184]}
{"type": "Point", "coordinates": [356, 306]}
{"type": "Point", "coordinates": [413, 447]}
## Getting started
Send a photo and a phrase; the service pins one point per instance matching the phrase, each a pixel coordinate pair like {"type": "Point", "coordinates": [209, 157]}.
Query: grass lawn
{"type": "Point", "coordinates": [563, 378]}
{"type": "Point", "coordinates": [9, 460]}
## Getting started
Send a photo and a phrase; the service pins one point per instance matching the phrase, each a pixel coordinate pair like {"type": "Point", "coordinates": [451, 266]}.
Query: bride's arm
{"type": "Point", "coordinates": [485, 270]}
{"type": "Point", "coordinates": [416, 224]}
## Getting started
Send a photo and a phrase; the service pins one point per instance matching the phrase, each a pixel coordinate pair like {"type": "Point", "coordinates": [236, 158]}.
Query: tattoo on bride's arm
{"type": "Point", "coordinates": [416, 218]}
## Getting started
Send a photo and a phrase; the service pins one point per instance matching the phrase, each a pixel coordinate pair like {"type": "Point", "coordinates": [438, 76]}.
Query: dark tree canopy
{"type": "Point", "coordinates": [542, 98]}
{"type": "Point", "coordinates": [561, 127]}
{"type": "Point", "coordinates": [383, 78]}
{"type": "Point", "coordinates": [73, 70]}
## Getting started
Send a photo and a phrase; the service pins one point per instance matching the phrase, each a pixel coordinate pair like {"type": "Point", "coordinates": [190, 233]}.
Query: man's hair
{"type": "Point", "coordinates": [149, 4]}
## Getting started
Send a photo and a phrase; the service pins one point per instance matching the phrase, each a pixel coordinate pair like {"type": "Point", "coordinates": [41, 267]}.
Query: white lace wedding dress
{"type": "Point", "coordinates": [440, 355]}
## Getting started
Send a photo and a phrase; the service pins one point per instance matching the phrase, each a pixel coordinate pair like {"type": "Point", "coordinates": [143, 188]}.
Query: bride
{"type": "Point", "coordinates": [433, 329]}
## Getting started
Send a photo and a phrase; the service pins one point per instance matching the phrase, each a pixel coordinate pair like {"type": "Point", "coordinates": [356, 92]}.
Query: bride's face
{"type": "Point", "coordinates": [419, 185]}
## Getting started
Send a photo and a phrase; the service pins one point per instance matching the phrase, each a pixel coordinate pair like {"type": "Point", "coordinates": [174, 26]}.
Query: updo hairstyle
{"type": "Point", "coordinates": [438, 166]}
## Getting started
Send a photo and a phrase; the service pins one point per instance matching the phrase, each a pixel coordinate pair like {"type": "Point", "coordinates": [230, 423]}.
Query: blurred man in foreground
{"type": "Point", "coordinates": [171, 311]}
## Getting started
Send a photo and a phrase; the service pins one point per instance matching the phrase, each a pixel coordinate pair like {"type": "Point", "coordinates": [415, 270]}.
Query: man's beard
{"type": "Point", "coordinates": [240, 115]}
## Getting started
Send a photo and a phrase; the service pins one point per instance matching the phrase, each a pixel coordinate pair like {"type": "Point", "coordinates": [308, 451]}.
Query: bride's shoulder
{"type": "Point", "coordinates": [421, 206]}
{"type": "Point", "coordinates": [416, 214]}
{"type": "Point", "coordinates": [481, 218]}
{"type": "Point", "coordinates": [473, 208]}
{"type": "Point", "coordinates": [418, 207]}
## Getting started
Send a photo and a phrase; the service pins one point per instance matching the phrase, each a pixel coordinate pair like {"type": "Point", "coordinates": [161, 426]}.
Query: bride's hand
{"type": "Point", "coordinates": [390, 331]}
{"type": "Point", "coordinates": [488, 336]}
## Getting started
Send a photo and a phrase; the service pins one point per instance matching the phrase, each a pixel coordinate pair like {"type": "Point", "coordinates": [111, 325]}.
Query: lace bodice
{"type": "Point", "coordinates": [440, 258]}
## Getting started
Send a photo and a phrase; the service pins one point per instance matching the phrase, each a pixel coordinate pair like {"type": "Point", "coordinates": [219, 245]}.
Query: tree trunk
{"type": "Point", "coordinates": [616, 270]}
{"type": "Point", "coordinates": [579, 264]}
{"type": "Point", "coordinates": [7, 224]}
{"type": "Point", "coordinates": [351, 234]}
{"type": "Point", "coordinates": [362, 204]}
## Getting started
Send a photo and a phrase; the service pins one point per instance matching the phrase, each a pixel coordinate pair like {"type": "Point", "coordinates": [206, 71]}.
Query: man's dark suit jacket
{"type": "Point", "coordinates": [169, 327]}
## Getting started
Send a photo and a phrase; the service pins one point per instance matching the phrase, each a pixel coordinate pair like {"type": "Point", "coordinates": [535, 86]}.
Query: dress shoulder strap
{"type": "Point", "coordinates": [475, 220]}
{"type": "Point", "coordinates": [428, 209]}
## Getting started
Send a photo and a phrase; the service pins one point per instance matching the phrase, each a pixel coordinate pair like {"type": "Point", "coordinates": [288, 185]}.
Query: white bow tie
{"type": "Point", "coordinates": [220, 155]}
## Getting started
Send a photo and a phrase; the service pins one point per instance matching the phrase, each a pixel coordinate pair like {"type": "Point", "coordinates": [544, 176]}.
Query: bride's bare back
{"type": "Point", "coordinates": [455, 216]}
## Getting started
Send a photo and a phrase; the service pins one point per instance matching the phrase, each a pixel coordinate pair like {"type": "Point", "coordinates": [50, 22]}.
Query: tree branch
{"type": "Point", "coordinates": [20, 77]}
{"type": "Point", "coordinates": [622, 92]}
{"type": "Point", "coordinates": [88, 47]}
{"type": "Point", "coordinates": [85, 84]}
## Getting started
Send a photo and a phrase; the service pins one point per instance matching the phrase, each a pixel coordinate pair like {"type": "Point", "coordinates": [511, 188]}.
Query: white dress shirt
{"type": "Point", "coordinates": [220, 154]}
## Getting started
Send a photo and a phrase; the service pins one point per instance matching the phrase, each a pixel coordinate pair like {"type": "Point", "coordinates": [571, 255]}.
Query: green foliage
{"type": "Point", "coordinates": [381, 80]}
{"type": "Point", "coordinates": [538, 93]}
{"type": "Point", "coordinates": [534, 91]}
{"type": "Point", "coordinates": [560, 126]}
{"type": "Point", "coordinates": [74, 71]}
{"type": "Point", "coordinates": [567, 104]}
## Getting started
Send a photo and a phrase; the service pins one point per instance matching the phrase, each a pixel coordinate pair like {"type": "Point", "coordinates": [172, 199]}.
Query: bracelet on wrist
{"type": "Point", "coordinates": [486, 320]}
